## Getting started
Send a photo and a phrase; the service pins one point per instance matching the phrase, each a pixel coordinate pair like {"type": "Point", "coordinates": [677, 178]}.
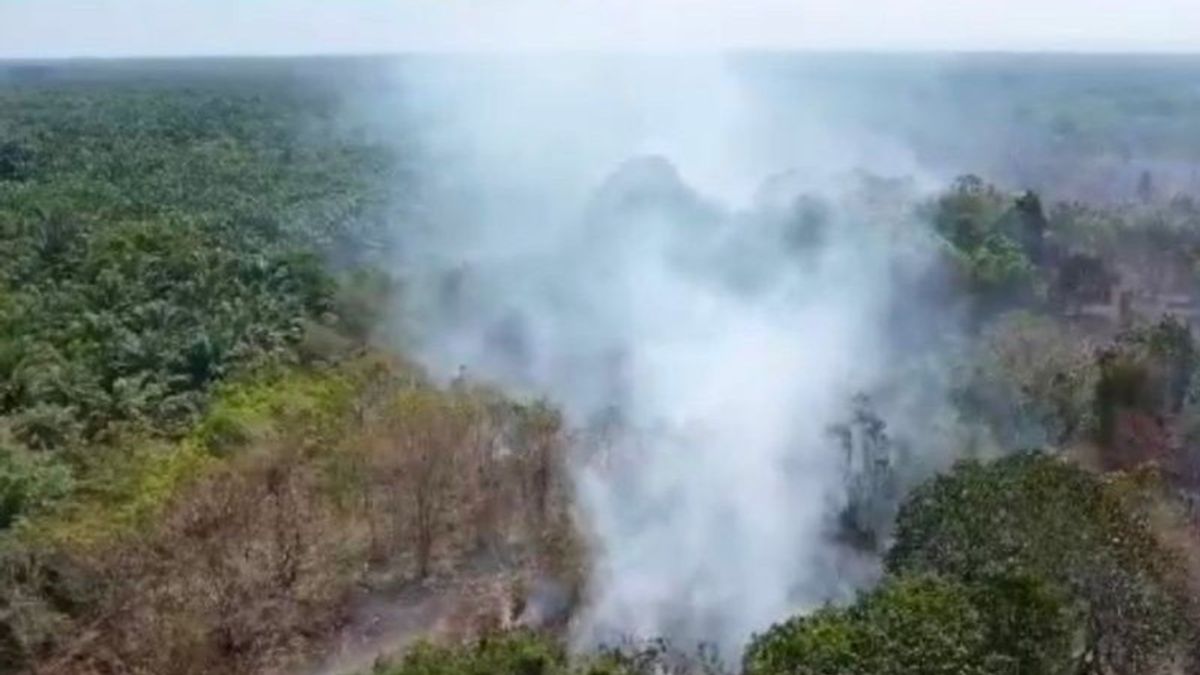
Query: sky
{"type": "Point", "coordinates": [73, 28]}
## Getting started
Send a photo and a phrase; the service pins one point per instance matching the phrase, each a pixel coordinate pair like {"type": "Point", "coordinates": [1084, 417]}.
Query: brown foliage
{"type": "Point", "coordinates": [242, 569]}
{"type": "Point", "coordinates": [252, 567]}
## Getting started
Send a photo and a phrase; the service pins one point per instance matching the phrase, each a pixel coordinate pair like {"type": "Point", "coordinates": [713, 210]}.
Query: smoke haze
{"type": "Point", "coordinates": [698, 279]}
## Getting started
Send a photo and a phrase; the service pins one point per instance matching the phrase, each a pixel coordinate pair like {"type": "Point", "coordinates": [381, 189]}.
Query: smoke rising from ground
{"type": "Point", "coordinates": [693, 275]}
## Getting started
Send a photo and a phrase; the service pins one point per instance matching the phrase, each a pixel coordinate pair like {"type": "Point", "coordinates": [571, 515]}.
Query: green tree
{"type": "Point", "coordinates": [967, 212]}
{"type": "Point", "coordinates": [921, 625]}
{"type": "Point", "coordinates": [1030, 515]}
{"type": "Point", "coordinates": [994, 240]}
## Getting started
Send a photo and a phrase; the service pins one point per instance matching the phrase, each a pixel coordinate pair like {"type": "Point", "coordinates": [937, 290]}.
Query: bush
{"type": "Point", "coordinates": [527, 653]}
{"type": "Point", "coordinates": [515, 653]}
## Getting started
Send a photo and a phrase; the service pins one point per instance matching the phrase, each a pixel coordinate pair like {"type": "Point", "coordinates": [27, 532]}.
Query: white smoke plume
{"type": "Point", "coordinates": [654, 246]}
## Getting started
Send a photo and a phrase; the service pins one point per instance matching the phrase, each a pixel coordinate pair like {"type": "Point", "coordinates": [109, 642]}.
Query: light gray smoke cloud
{"type": "Point", "coordinates": [653, 246]}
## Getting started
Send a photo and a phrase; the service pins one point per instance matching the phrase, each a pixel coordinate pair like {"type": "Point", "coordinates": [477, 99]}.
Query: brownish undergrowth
{"type": "Point", "coordinates": [252, 565]}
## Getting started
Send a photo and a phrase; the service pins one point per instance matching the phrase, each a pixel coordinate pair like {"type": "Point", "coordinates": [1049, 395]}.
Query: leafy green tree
{"type": "Point", "coordinates": [999, 272]}
{"type": "Point", "coordinates": [968, 212]}
{"type": "Point", "coordinates": [919, 624]}
{"type": "Point", "coordinates": [994, 240]}
{"type": "Point", "coordinates": [1035, 516]}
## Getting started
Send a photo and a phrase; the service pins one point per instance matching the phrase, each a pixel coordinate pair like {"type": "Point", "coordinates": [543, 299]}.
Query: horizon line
{"type": "Point", "coordinates": [608, 52]}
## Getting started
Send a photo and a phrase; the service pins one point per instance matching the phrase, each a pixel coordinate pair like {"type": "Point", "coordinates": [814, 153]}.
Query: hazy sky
{"type": "Point", "coordinates": [36, 28]}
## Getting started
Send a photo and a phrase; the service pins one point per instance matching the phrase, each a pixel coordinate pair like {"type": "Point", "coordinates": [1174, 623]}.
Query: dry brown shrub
{"type": "Point", "coordinates": [241, 573]}
{"type": "Point", "coordinates": [464, 478]}
{"type": "Point", "coordinates": [252, 567]}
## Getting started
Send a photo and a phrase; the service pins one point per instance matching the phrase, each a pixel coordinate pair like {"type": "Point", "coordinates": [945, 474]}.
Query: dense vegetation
{"type": "Point", "coordinates": [200, 455]}
{"type": "Point", "coordinates": [1025, 565]}
{"type": "Point", "coordinates": [155, 242]}
{"type": "Point", "coordinates": [206, 461]}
